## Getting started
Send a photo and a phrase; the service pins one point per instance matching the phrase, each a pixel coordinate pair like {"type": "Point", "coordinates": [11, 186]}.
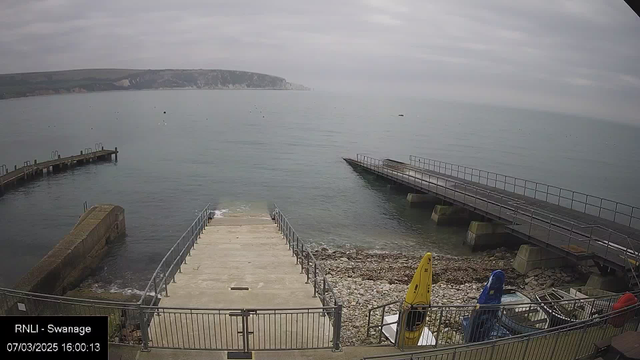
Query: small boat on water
{"type": "Point", "coordinates": [522, 316]}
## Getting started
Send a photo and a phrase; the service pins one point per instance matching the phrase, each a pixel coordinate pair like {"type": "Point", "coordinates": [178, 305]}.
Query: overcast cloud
{"type": "Point", "coordinates": [579, 57]}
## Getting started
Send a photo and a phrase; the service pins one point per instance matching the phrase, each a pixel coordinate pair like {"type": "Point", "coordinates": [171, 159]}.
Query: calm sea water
{"type": "Point", "coordinates": [240, 150]}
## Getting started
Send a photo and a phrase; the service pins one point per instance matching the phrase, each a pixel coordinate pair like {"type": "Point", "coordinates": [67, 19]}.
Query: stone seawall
{"type": "Point", "coordinates": [77, 254]}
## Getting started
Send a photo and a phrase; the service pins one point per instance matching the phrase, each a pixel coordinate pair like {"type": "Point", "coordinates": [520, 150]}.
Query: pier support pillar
{"type": "Point", "coordinates": [483, 235]}
{"type": "Point", "coordinates": [421, 199]}
{"type": "Point", "coordinates": [449, 215]}
{"type": "Point", "coordinates": [611, 283]}
{"type": "Point", "coordinates": [532, 257]}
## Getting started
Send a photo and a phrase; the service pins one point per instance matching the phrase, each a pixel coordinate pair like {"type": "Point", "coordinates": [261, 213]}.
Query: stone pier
{"type": "Point", "coordinates": [421, 199]}
{"type": "Point", "coordinates": [450, 215]}
{"type": "Point", "coordinates": [532, 257]}
{"type": "Point", "coordinates": [78, 253]}
{"type": "Point", "coordinates": [611, 283]}
{"type": "Point", "coordinates": [482, 235]}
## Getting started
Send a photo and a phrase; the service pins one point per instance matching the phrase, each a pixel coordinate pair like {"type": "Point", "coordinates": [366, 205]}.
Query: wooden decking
{"type": "Point", "coordinates": [30, 171]}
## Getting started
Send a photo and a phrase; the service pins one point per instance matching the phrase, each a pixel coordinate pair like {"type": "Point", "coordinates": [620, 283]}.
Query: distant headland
{"type": "Point", "coordinates": [89, 80]}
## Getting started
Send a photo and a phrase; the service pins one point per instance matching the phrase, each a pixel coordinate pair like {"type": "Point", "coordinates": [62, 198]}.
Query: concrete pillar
{"type": "Point", "coordinates": [532, 257]}
{"type": "Point", "coordinates": [482, 235]}
{"type": "Point", "coordinates": [417, 199]}
{"type": "Point", "coordinates": [611, 283]}
{"type": "Point", "coordinates": [449, 215]}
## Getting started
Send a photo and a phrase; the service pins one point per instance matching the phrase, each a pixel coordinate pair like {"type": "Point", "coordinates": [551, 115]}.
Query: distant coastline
{"type": "Point", "coordinates": [93, 80]}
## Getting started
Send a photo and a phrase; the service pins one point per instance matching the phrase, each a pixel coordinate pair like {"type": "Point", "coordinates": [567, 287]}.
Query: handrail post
{"type": "Point", "coordinates": [399, 340]}
{"type": "Point", "coordinates": [308, 270]}
{"type": "Point", "coordinates": [143, 329]}
{"type": "Point", "coordinates": [324, 290]}
{"type": "Point", "coordinates": [337, 327]}
{"type": "Point", "coordinates": [301, 261]}
{"type": "Point", "coordinates": [166, 288]}
{"type": "Point", "coordinates": [155, 288]}
{"type": "Point", "coordinates": [315, 279]}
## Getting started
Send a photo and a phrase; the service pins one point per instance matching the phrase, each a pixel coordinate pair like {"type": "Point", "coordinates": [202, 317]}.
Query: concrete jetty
{"type": "Point", "coordinates": [236, 253]}
{"type": "Point", "coordinates": [564, 223]}
{"type": "Point", "coordinates": [241, 289]}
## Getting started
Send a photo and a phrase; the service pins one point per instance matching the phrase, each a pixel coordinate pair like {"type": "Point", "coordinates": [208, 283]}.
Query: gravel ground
{"type": "Point", "coordinates": [363, 279]}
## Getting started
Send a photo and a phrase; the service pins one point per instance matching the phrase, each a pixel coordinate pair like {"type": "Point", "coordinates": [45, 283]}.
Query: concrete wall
{"type": "Point", "coordinates": [77, 254]}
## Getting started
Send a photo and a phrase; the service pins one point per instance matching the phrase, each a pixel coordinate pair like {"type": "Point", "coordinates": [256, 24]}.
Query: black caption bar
{"type": "Point", "coordinates": [59, 337]}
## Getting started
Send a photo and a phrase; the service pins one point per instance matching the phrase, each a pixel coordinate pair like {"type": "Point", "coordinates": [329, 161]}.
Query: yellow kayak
{"type": "Point", "coordinates": [418, 298]}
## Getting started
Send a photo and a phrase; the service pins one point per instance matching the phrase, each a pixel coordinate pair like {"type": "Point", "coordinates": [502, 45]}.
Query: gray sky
{"type": "Point", "coordinates": [578, 56]}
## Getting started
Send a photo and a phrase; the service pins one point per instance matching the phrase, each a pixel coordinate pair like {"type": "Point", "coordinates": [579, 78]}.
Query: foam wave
{"type": "Point", "coordinates": [219, 213]}
{"type": "Point", "coordinates": [116, 289]}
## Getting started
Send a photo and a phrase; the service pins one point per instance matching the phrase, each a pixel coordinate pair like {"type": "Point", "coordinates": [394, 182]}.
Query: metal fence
{"type": "Point", "coordinates": [570, 341]}
{"type": "Point", "coordinates": [589, 204]}
{"type": "Point", "coordinates": [309, 266]}
{"type": "Point", "coordinates": [191, 328]}
{"type": "Point", "coordinates": [175, 258]}
{"type": "Point", "coordinates": [242, 330]}
{"type": "Point", "coordinates": [456, 324]}
{"type": "Point", "coordinates": [563, 234]}
{"type": "Point", "coordinates": [124, 318]}
{"type": "Point", "coordinates": [314, 272]}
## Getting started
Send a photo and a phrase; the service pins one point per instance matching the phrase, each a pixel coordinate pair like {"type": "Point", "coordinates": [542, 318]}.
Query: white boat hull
{"type": "Point", "coordinates": [390, 328]}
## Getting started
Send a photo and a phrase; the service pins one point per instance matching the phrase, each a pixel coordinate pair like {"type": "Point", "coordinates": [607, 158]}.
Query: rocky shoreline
{"type": "Point", "coordinates": [363, 279]}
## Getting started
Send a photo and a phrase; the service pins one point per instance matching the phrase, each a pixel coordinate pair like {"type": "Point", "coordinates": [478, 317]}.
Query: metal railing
{"type": "Point", "coordinates": [309, 266]}
{"type": "Point", "coordinates": [615, 211]}
{"type": "Point", "coordinates": [314, 272]}
{"type": "Point", "coordinates": [124, 318]}
{"type": "Point", "coordinates": [449, 324]}
{"type": "Point", "coordinates": [175, 257]}
{"type": "Point", "coordinates": [571, 341]}
{"type": "Point", "coordinates": [563, 234]}
{"type": "Point", "coordinates": [242, 330]}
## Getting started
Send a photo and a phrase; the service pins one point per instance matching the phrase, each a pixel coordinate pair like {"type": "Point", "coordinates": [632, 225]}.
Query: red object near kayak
{"type": "Point", "coordinates": [625, 300]}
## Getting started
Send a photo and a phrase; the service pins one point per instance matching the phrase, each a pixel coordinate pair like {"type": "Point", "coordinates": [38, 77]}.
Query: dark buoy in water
{"type": "Point", "coordinates": [164, 112]}
{"type": "Point", "coordinates": [400, 114]}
